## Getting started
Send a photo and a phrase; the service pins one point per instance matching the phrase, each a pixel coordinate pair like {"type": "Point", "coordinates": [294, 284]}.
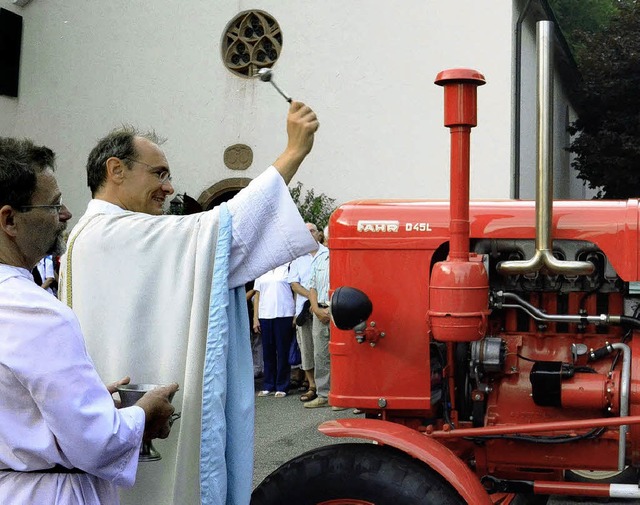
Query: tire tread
{"type": "Point", "coordinates": [380, 474]}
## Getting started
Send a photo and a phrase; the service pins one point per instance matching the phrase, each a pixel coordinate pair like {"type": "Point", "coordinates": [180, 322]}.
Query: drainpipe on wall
{"type": "Point", "coordinates": [515, 190]}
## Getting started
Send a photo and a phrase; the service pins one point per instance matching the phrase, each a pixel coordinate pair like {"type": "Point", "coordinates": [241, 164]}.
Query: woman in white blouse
{"type": "Point", "coordinates": [274, 309]}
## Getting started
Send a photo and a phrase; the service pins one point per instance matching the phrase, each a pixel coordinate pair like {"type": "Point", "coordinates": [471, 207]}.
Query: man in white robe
{"type": "Point", "coordinates": [62, 440]}
{"type": "Point", "coordinates": [163, 297]}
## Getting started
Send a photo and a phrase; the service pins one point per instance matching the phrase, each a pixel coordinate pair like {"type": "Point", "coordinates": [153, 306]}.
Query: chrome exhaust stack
{"type": "Point", "coordinates": [543, 259]}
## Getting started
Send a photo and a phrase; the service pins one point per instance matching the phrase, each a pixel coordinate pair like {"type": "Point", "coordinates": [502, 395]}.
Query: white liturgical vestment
{"type": "Point", "coordinates": [151, 294]}
{"type": "Point", "coordinates": [54, 408]}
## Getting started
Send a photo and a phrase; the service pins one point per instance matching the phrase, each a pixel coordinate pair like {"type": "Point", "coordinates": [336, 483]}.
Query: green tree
{"type": "Point", "coordinates": [313, 209]}
{"type": "Point", "coordinates": [607, 146]}
{"type": "Point", "coordinates": [579, 16]}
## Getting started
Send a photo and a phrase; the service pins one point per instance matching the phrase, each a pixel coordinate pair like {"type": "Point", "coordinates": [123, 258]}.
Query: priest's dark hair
{"type": "Point", "coordinates": [20, 163]}
{"type": "Point", "coordinates": [118, 143]}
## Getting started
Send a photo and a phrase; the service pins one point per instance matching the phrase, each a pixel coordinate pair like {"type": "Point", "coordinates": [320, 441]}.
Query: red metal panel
{"type": "Point", "coordinates": [610, 224]}
{"type": "Point", "coordinates": [396, 369]}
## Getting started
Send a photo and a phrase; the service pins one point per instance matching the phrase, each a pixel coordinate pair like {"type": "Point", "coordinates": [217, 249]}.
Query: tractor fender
{"type": "Point", "coordinates": [411, 442]}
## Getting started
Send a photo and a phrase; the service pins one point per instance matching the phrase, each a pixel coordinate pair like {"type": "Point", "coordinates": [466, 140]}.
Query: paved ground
{"type": "Point", "coordinates": [285, 429]}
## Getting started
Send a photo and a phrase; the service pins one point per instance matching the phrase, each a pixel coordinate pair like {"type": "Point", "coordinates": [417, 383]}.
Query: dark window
{"type": "Point", "coordinates": [10, 41]}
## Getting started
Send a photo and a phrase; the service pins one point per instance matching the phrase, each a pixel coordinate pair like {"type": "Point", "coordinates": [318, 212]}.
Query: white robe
{"type": "Point", "coordinates": [54, 408]}
{"type": "Point", "coordinates": [140, 286]}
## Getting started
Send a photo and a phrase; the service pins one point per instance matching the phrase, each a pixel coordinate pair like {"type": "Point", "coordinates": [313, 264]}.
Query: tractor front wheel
{"type": "Point", "coordinates": [355, 474]}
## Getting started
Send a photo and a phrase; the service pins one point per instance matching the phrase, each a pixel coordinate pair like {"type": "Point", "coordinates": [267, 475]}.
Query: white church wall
{"type": "Point", "coordinates": [367, 68]}
{"type": "Point", "coordinates": [8, 111]}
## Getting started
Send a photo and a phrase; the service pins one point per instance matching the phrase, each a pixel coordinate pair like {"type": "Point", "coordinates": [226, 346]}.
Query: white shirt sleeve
{"type": "Point", "coordinates": [61, 411]}
{"type": "Point", "coordinates": [294, 274]}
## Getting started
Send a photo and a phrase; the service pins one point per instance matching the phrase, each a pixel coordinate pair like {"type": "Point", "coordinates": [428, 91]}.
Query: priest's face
{"type": "Point", "coordinates": [147, 182]}
{"type": "Point", "coordinates": [45, 220]}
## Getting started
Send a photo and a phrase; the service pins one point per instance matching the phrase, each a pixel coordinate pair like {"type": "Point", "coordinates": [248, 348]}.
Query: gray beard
{"type": "Point", "coordinates": [58, 247]}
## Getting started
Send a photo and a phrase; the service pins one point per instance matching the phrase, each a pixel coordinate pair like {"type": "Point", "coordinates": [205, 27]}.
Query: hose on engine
{"type": "Point", "coordinates": [630, 322]}
{"type": "Point", "coordinates": [556, 439]}
{"type": "Point", "coordinates": [499, 300]}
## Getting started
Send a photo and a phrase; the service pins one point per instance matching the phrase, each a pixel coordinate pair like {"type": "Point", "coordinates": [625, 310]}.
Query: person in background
{"type": "Point", "coordinates": [273, 317]}
{"type": "Point", "coordinates": [319, 298]}
{"type": "Point", "coordinates": [45, 276]}
{"type": "Point", "coordinates": [63, 440]}
{"type": "Point", "coordinates": [256, 339]}
{"type": "Point", "coordinates": [299, 277]}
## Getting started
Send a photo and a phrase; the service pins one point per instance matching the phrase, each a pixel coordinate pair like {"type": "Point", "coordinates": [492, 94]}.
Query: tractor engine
{"type": "Point", "coordinates": [502, 329]}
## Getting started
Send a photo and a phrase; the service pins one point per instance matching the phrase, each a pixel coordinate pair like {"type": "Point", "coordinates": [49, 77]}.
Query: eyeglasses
{"type": "Point", "coordinates": [26, 208]}
{"type": "Point", "coordinates": [162, 174]}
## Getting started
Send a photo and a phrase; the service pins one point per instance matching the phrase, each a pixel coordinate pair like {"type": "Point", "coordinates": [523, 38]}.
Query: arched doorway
{"type": "Point", "coordinates": [222, 191]}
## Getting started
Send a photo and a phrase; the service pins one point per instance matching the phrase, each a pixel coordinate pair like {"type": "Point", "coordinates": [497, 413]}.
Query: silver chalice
{"type": "Point", "coordinates": [129, 395]}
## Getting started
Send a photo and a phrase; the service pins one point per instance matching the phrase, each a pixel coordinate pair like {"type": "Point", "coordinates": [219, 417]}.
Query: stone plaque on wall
{"type": "Point", "coordinates": [238, 157]}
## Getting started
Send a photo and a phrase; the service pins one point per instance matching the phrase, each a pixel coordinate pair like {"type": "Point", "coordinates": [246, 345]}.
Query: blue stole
{"type": "Point", "coordinates": [226, 445]}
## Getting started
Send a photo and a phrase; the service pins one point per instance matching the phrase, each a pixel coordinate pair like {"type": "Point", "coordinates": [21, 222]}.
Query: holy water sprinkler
{"type": "Point", "coordinates": [266, 75]}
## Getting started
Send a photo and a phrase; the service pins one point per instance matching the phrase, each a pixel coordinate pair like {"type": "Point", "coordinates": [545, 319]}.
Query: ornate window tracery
{"type": "Point", "coordinates": [252, 41]}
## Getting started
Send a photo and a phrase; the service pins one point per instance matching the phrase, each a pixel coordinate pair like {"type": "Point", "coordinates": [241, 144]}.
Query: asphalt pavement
{"type": "Point", "coordinates": [285, 430]}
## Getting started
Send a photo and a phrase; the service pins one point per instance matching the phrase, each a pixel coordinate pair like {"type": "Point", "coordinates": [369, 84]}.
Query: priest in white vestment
{"type": "Point", "coordinates": [161, 298]}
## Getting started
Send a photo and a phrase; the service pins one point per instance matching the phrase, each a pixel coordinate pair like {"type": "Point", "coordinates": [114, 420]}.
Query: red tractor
{"type": "Point", "coordinates": [490, 344]}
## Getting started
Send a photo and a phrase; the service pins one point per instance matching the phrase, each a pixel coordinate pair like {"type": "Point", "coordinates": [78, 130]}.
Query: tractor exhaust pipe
{"type": "Point", "coordinates": [543, 258]}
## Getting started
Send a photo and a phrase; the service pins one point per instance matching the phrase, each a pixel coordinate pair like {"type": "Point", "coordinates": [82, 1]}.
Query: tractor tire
{"type": "Point", "coordinates": [355, 474]}
{"type": "Point", "coordinates": [627, 476]}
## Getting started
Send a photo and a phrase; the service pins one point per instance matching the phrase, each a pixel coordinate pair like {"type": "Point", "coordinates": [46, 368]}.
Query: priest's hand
{"type": "Point", "coordinates": [302, 125]}
{"type": "Point", "coordinates": [113, 388]}
{"type": "Point", "coordinates": [158, 411]}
